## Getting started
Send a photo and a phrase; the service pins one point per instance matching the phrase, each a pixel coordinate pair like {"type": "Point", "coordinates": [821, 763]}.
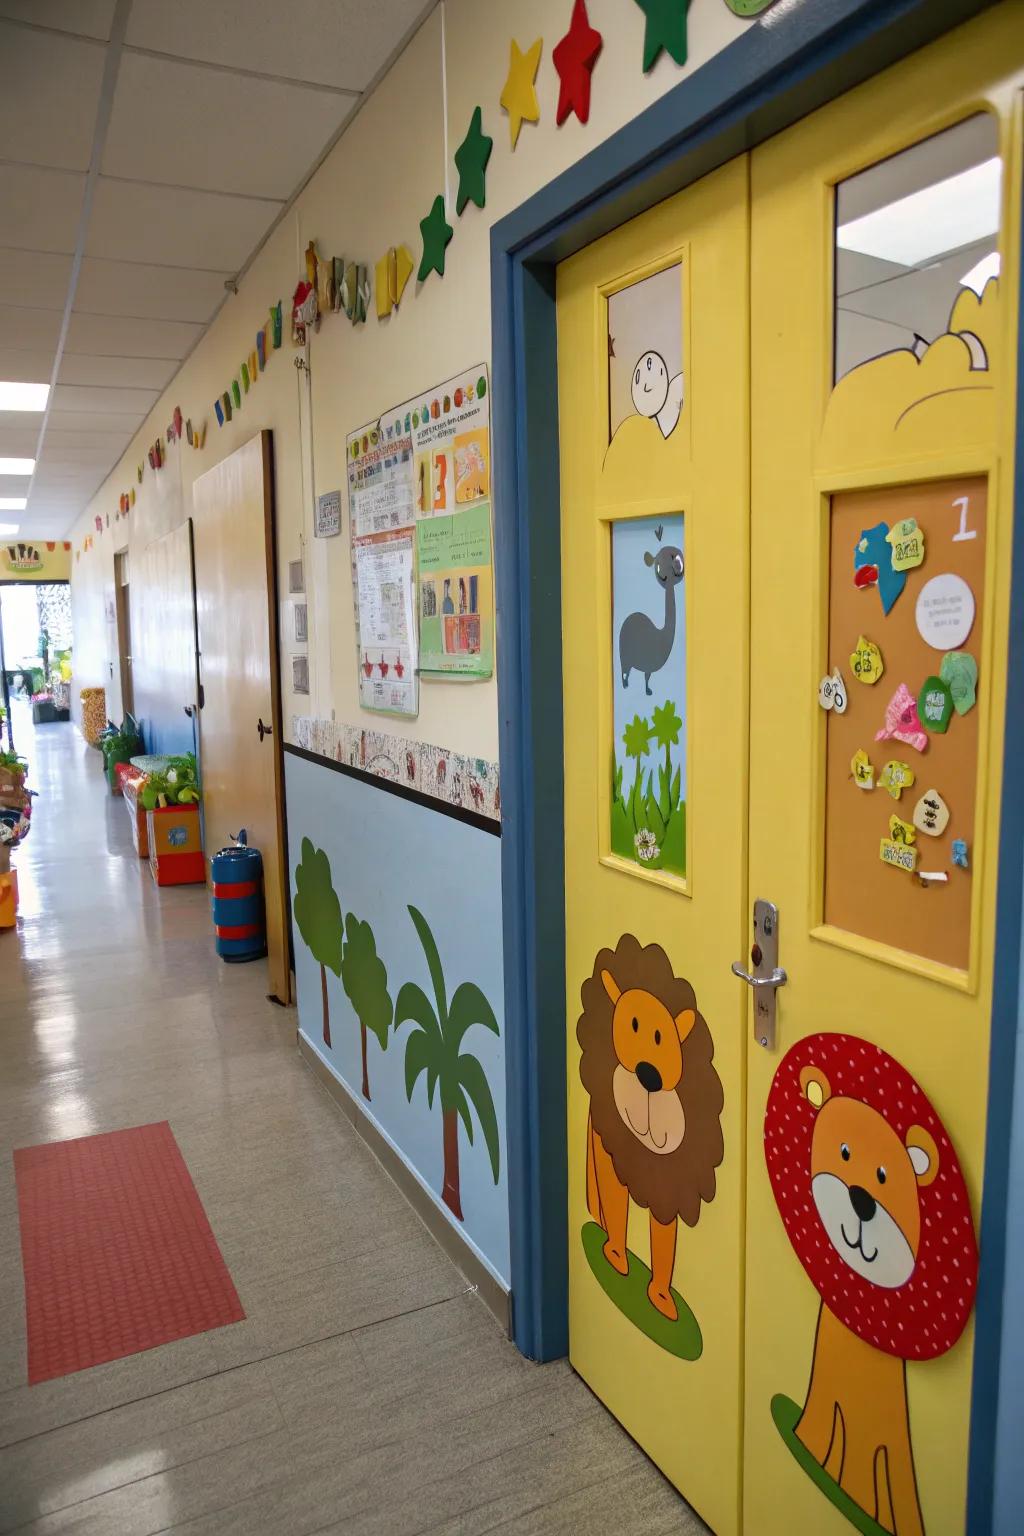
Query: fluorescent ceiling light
{"type": "Point", "coordinates": [981, 272]}
{"type": "Point", "coordinates": [23, 397]}
{"type": "Point", "coordinates": [13, 503]}
{"type": "Point", "coordinates": [8, 530]}
{"type": "Point", "coordinates": [17, 466]}
{"type": "Point", "coordinates": [928, 223]}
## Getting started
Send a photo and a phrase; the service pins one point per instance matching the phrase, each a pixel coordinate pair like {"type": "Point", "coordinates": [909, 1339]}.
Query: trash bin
{"type": "Point", "coordinates": [239, 922]}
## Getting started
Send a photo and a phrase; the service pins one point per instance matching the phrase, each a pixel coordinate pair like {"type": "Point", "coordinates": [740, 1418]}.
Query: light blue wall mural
{"type": "Point", "coordinates": [398, 962]}
{"type": "Point", "coordinates": [649, 692]}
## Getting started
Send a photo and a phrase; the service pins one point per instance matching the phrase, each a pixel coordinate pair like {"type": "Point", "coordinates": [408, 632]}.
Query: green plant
{"type": "Point", "coordinates": [365, 979]}
{"type": "Point", "coordinates": [177, 784]}
{"type": "Point", "coordinates": [318, 918]}
{"type": "Point", "coordinates": [650, 823]}
{"type": "Point", "coordinates": [13, 762]}
{"type": "Point", "coordinates": [434, 1047]}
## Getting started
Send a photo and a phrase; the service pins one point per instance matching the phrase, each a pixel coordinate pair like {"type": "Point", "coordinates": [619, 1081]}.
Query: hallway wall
{"type": "Point", "coordinates": [371, 191]}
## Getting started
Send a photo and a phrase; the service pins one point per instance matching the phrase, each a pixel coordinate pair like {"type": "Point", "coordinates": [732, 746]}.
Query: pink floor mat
{"type": "Point", "coordinates": [117, 1251]}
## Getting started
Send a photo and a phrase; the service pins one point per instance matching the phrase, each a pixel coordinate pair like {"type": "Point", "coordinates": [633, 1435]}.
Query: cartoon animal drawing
{"type": "Point", "coordinates": [643, 645]}
{"type": "Point", "coordinates": [655, 394]}
{"type": "Point", "coordinates": [654, 1133]}
{"type": "Point", "coordinates": [875, 1206]}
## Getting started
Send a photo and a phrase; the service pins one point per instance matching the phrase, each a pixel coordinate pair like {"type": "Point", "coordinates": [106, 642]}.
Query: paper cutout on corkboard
{"type": "Point", "coordinates": [863, 896]}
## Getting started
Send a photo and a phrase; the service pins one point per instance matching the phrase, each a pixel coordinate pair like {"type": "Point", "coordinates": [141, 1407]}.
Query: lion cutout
{"type": "Point", "coordinates": [654, 1129]}
{"type": "Point", "coordinates": [875, 1206]}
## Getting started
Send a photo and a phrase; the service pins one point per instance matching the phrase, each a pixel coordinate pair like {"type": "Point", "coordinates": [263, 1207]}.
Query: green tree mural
{"type": "Point", "coordinates": [365, 979]}
{"type": "Point", "coordinates": [318, 918]}
{"type": "Point", "coordinates": [434, 1047]}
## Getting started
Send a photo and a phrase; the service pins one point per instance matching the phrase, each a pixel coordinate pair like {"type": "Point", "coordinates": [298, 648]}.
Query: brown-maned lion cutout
{"type": "Point", "coordinates": [874, 1203]}
{"type": "Point", "coordinates": [654, 1131]}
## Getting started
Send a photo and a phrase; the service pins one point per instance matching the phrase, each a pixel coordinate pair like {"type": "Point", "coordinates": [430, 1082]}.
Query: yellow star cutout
{"type": "Point", "coordinates": [518, 96]}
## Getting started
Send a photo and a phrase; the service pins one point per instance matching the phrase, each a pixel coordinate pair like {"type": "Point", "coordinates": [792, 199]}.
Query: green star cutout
{"type": "Point", "coordinates": [471, 159]}
{"type": "Point", "coordinates": [665, 28]}
{"type": "Point", "coordinates": [436, 232]}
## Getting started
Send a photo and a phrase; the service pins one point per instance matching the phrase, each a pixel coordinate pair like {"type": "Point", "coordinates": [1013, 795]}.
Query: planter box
{"type": "Point", "coordinates": [140, 832]}
{"type": "Point", "coordinates": [43, 712]}
{"type": "Point", "coordinates": [176, 845]}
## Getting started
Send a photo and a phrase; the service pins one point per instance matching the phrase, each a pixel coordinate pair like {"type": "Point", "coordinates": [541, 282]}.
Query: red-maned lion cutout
{"type": "Point", "coordinates": [874, 1203]}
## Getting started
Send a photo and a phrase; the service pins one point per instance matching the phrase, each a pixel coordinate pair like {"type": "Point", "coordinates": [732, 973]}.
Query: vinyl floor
{"type": "Point", "coordinates": [368, 1392]}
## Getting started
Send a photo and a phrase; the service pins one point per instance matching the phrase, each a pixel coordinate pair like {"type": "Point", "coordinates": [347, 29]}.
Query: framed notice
{"type": "Point", "coordinates": [328, 515]}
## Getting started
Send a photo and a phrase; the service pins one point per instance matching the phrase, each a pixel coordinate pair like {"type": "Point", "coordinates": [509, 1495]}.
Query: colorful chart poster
{"type": "Point", "coordinates": [387, 631]}
{"type": "Point", "coordinates": [450, 427]}
{"type": "Point", "coordinates": [381, 523]}
{"type": "Point", "coordinates": [456, 593]}
{"type": "Point", "coordinates": [380, 479]}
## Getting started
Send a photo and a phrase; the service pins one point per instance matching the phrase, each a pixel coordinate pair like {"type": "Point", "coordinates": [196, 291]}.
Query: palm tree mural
{"type": "Point", "coordinates": [434, 1047]}
{"type": "Point", "coordinates": [365, 979]}
{"type": "Point", "coordinates": [318, 918]}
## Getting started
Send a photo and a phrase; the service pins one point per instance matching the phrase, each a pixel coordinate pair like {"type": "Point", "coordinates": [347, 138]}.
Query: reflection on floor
{"type": "Point", "coordinates": [367, 1391]}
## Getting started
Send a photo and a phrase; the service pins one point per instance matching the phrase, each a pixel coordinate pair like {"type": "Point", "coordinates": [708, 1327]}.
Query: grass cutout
{"type": "Point", "coordinates": [629, 1293]}
{"type": "Point", "coordinates": [786, 1414]}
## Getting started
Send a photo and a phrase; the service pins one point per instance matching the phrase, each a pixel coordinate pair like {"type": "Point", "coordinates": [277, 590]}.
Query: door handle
{"type": "Point", "coordinates": [264, 730]}
{"type": "Point", "coordinates": [778, 977]}
{"type": "Point", "coordinates": [766, 975]}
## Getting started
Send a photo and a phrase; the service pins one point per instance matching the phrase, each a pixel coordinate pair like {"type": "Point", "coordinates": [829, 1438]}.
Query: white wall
{"type": "Point", "coordinates": [370, 193]}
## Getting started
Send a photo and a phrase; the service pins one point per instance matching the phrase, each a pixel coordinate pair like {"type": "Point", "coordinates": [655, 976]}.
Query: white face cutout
{"type": "Point", "coordinates": [650, 384]}
{"type": "Point", "coordinates": [873, 1245]}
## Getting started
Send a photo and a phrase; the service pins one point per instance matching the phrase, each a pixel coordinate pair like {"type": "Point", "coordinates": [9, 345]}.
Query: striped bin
{"type": "Point", "coordinates": [238, 919]}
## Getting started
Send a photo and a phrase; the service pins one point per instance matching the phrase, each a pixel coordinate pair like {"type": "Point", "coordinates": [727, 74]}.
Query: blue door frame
{"type": "Point", "coordinates": [797, 57]}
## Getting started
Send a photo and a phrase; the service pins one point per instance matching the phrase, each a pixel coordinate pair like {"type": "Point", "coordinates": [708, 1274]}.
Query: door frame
{"type": "Point", "coordinates": [783, 67]}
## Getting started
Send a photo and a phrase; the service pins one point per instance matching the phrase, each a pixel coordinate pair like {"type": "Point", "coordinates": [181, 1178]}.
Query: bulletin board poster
{"type": "Point", "coordinates": [906, 634]}
{"type": "Point", "coordinates": [381, 522]}
{"type": "Point", "coordinates": [456, 593]}
{"type": "Point", "coordinates": [451, 443]}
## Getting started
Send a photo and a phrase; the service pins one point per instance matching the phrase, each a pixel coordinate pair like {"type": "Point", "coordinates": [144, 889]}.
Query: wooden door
{"type": "Point", "coordinates": [122, 601]}
{"type": "Point", "coordinates": [236, 593]}
{"type": "Point", "coordinates": [163, 624]}
{"type": "Point", "coordinates": [883, 350]}
{"type": "Point", "coordinates": [652, 349]}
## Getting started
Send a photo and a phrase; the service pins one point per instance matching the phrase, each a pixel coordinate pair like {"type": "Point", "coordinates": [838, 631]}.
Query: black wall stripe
{"type": "Point", "coordinates": [389, 787]}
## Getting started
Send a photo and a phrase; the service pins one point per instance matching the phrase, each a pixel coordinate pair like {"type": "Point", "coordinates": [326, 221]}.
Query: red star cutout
{"type": "Point", "coordinates": [574, 58]}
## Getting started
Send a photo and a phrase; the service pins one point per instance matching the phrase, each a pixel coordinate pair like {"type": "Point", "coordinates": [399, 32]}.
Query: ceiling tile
{"type": "Point", "coordinates": [184, 125]}
{"type": "Point", "coordinates": [127, 372]}
{"type": "Point", "coordinates": [341, 44]}
{"type": "Point", "coordinates": [49, 99]}
{"type": "Point", "coordinates": [110, 442]}
{"type": "Point", "coordinates": [90, 18]}
{"type": "Point", "coordinates": [36, 278]}
{"type": "Point", "coordinates": [75, 397]}
{"type": "Point", "coordinates": [14, 485]}
{"type": "Point", "coordinates": [182, 228]}
{"type": "Point", "coordinates": [32, 329]}
{"type": "Point", "coordinates": [18, 439]}
{"type": "Point", "coordinates": [32, 365]}
{"type": "Point", "coordinates": [127, 336]}
{"type": "Point", "coordinates": [95, 420]}
{"type": "Point", "coordinates": [134, 288]}
{"type": "Point", "coordinates": [39, 209]}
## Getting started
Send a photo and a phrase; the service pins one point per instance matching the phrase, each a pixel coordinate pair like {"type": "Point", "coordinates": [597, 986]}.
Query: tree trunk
{"type": "Point", "coordinates": [327, 1009]}
{"type": "Point", "coordinates": [450, 1193]}
{"type": "Point", "coordinates": [366, 1080]}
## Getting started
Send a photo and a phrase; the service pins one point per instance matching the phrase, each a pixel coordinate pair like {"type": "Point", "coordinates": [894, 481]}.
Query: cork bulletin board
{"type": "Point", "coordinates": [863, 895]}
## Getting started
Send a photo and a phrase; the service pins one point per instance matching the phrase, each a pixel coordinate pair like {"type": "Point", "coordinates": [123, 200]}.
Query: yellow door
{"type": "Point", "coordinates": [881, 508]}
{"type": "Point", "coordinates": [787, 418]}
{"type": "Point", "coordinates": [652, 346]}
{"type": "Point", "coordinates": [239, 740]}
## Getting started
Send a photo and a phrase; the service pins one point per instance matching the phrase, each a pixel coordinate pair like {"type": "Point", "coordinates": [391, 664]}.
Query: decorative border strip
{"type": "Point", "coordinates": [450, 778]}
{"type": "Point", "coordinates": [404, 792]}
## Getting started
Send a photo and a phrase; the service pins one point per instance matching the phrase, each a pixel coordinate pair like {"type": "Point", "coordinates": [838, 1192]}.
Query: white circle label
{"type": "Point", "coordinates": [945, 611]}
